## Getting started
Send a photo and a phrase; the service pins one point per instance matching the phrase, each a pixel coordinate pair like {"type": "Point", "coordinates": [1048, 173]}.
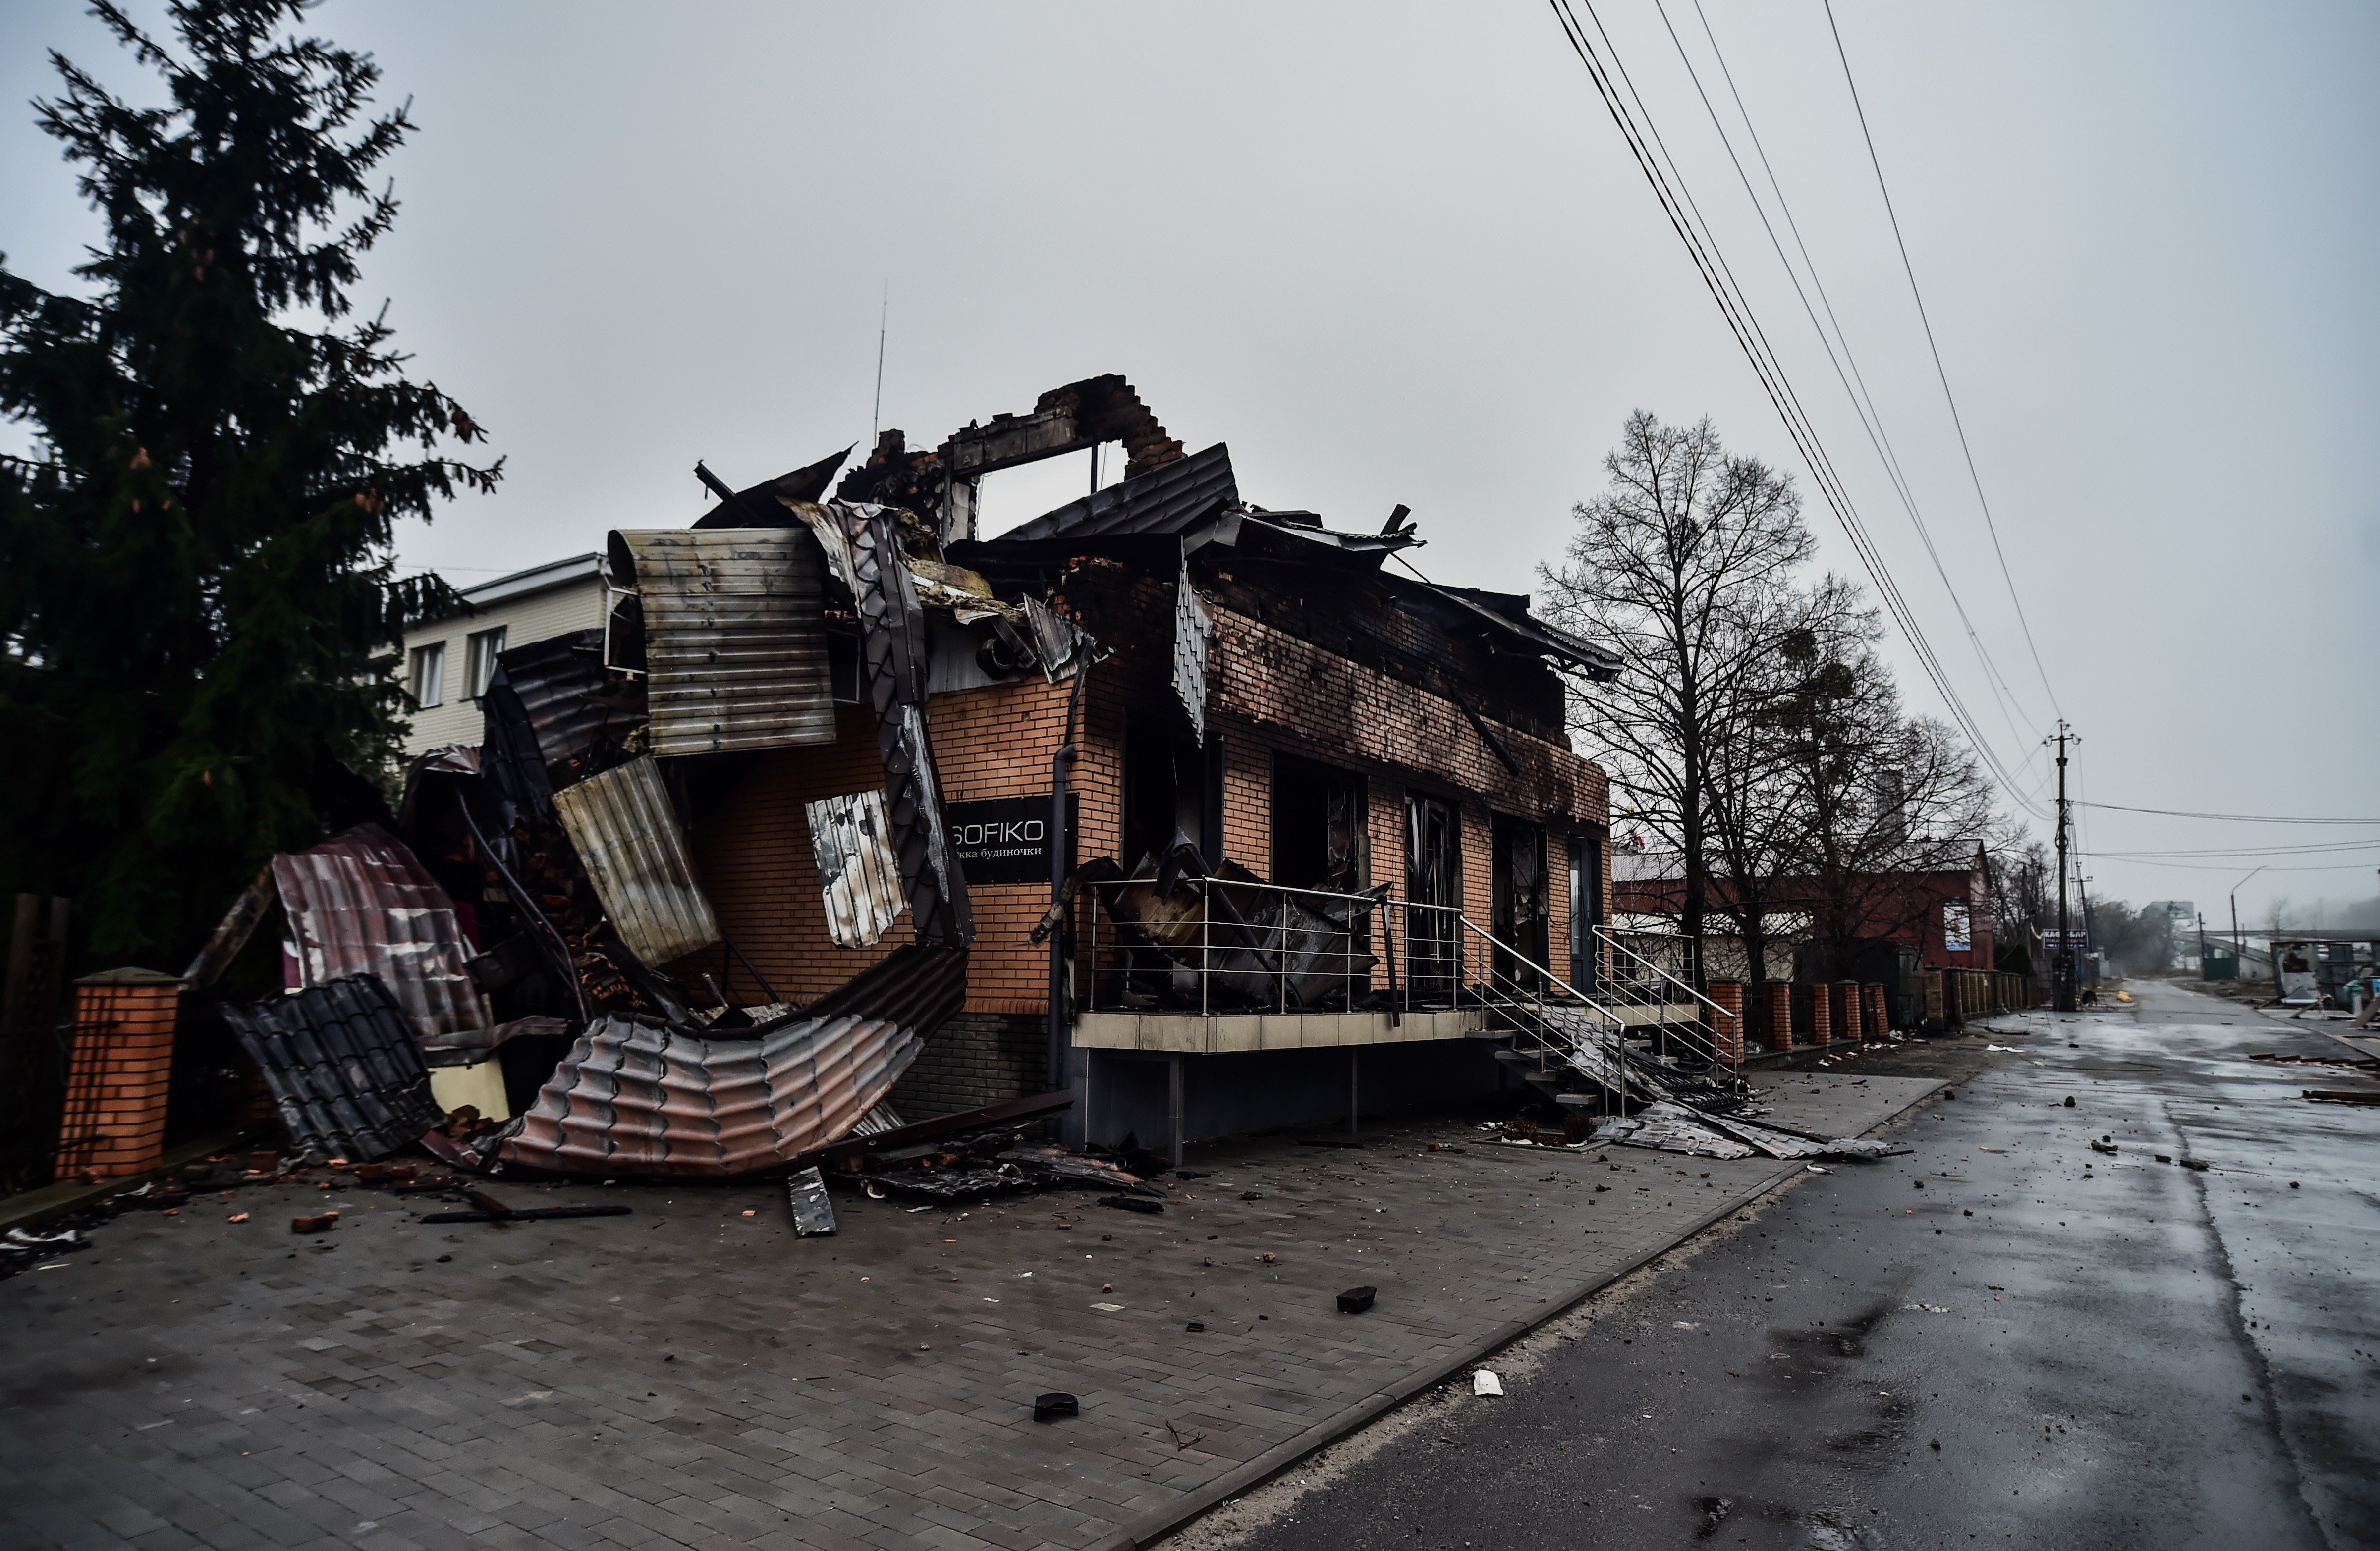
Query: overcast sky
{"type": "Point", "coordinates": [1401, 254]}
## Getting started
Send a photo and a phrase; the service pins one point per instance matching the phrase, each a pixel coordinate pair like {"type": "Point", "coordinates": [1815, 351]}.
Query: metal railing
{"type": "Point", "coordinates": [1244, 946]}
{"type": "Point", "coordinates": [1682, 1022]}
{"type": "Point", "coordinates": [1229, 947]}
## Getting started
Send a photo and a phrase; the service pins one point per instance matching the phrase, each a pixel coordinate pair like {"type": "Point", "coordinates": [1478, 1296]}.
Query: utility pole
{"type": "Point", "coordinates": [2062, 992]}
{"type": "Point", "coordinates": [2235, 923]}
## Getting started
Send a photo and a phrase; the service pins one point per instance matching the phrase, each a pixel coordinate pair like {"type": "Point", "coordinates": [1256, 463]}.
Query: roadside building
{"type": "Point", "coordinates": [449, 662]}
{"type": "Point", "coordinates": [1886, 925]}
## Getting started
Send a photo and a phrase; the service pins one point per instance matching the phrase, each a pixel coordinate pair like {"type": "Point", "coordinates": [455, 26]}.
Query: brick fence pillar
{"type": "Point", "coordinates": [1821, 1023]}
{"type": "Point", "coordinates": [1729, 1035]}
{"type": "Point", "coordinates": [1780, 1015]}
{"type": "Point", "coordinates": [1848, 1022]}
{"type": "Point", "coordinates": [114, 1120]}
{"type": "Point", "coordinates": [1872, 1009]}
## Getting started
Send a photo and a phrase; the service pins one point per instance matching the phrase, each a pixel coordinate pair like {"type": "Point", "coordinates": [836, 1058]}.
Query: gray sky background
{"type": "Point", "coordinates": [1400, 254]}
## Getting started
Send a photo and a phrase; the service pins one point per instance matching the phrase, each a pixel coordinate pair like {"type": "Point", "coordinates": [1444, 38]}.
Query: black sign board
{"type": "Point", "coordinates": [1007, 840]}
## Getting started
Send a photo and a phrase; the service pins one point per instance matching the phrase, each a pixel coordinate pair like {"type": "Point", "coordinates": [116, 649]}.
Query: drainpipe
{"type": "Point", "coordinates": [1058, 766]}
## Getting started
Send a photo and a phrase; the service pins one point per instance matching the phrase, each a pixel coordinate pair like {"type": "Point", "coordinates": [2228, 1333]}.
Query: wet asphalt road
{"type": "Point", "coordinates": [2110, 1352]}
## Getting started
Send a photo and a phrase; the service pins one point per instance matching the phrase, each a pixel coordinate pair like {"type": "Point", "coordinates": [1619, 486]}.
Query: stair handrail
{"type": "Point", "coordinates": [1711, 1011]}
{"type": "Point", "coordinates": [1608, 941]}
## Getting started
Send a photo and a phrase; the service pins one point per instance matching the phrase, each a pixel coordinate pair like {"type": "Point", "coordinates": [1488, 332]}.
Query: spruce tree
{"type": "Point", "coordinates": [199, 605]}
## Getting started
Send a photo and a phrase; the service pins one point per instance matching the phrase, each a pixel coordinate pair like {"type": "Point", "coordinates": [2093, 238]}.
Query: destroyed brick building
{"type": "Point", "coordinates": [1255, 683]}
{"type": "Point", "coordinates": [1164, 814]}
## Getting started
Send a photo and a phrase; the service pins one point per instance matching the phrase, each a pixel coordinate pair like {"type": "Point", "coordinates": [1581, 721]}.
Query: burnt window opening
{"type": "Point", "coordinates": [1170, 784]}
{"type": "Point", "coordinates": [1586, 910]}
{"type": "Point", "coordinates": [1433, 877]}
{"type": "Point", "coordinates": [1519, 905]}
{"type": "Point", "coordinates": [1318, 840]}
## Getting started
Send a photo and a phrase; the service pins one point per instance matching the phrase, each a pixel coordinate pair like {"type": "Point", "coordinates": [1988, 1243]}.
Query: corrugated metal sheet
{"type": "Point", "coordinates": [634, 1097]}
{"type": "Point", "coordinates": [1193, 628]}
{"type": "Point", "coordinates": [735, 636]}
{"type": "Point", "coordinates": [361, 904]}
{"type": "Point", "coordinates": [1168, 500]}
{"type": "Point", "coordinates": [627, 838]}
{"type": "Point", "coordinates": [557, 680]}
{"type": "Point", "coordinates": [858, 870]}
{"type": "Point", "coordinates": [343, 1066]}
{"type": "Point", "coordinates": [893, 651]}
{"type": "Point", "coordinates": [1054, 639]}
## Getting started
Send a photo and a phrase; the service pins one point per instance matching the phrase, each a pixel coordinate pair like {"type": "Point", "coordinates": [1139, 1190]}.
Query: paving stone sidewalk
{"type": "Point", "coordinates": [692, 1376]}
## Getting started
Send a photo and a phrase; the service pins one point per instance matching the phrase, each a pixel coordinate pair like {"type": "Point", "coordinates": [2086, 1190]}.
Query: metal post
{"type": "Point", "coordinates": [1174, 1082]}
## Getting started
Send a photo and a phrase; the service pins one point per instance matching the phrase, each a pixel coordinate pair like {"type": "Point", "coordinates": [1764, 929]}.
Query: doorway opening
{"type": "Point", "coordinates": [1433, 877]}
{"type": "Point", "coordinates": [1518, 906]}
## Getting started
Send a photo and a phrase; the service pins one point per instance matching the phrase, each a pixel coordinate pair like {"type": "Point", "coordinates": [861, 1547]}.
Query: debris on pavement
{"type": "Point", "coordinates": [1051, 1407]}
{"type": "Point", "coordinates": [344, 1064]}
{"type": "Point", "coordinates": [525, 1214]}
{"type": "Point", "coordinates": [1674, 1127]}
{"type": "Point", "coordinates": [1356, 1300]}
{"type": "Point", "coordinates": [1485, 1382]}
{"type": "Point", "coordinates": [813, 1212]}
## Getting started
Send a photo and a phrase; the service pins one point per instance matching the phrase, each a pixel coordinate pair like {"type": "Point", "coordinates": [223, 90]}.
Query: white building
{"type": "Point", "coordinates": [447, 662]}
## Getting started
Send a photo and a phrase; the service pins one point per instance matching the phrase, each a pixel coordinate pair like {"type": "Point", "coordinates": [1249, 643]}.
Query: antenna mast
{"type": "Point", "coordinates": [875, 415]}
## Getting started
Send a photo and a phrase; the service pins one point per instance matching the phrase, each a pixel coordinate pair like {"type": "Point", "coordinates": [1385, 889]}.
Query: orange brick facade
{"type": "Point", "coordinates": [114, 1123]}
{"type": "Point", "coordinates": [1270, 693]}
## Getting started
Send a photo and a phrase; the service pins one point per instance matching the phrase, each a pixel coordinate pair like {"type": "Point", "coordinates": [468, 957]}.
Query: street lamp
{"type": "Point", "coordinates": [2235, 918]}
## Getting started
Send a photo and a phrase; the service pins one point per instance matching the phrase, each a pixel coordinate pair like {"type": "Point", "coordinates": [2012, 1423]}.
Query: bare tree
{"type": "Point", "coordinates": [1756, 814]}
{"type": "Point", "coordinates": [2025, 893]}
{"type": "Point", "coordinates": [1665, 565]}
{"type": "Point", "coordinates": [1888, 798]}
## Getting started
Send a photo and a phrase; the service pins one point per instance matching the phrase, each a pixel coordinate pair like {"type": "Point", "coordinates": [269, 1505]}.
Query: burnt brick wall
{"type": "Point", "coordinates": [974, 1059]}
{"type": "Point", "coordinates": [1269, 691]}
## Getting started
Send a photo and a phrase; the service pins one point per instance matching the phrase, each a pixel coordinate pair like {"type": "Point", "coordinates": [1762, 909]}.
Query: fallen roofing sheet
{"type": "Point", "coordinates": [559, 683]}
{"type": "Point", "coordinates": [858, 871]}
{"type": "Point", "coordinates": [627, 838]}
{"type": "Point", "coordinates": [344, 1067]}
{"type": "Point", "coordinates": [1671, 1127]}
{"type": "Point", "coordinates": [1166, 500]}
{"type": "Point", "coordinates": [637, 1098]}
{"type": "Point", "coordinates": [470, 1047]}
{"type": "Point", "coordinates": [735, 636]}
{"type": "Point", "coordinates": [1674, 1127]}
{"type": "Point", "coordinates": [361, 904]}
{"type": "Point", "coordinates": [892, 654]}
{"type": "Point", "coordinates": [1194, 631]}
{"type": "Point", "coordinates": [1792, 1143]}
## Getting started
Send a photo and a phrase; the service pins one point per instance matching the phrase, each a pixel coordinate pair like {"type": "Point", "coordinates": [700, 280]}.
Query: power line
{"type": "Point", "coordinates": [2227, 866]}
{"type": "Point", "coordinates": [2228, 817]}
{"type": "Point", "coordinates": [1702, 251]}
{"type": "Point", "coordinates": [1862, 403]}
{"type": "Point", "coordinates": [2249, 850]}
{"type": "Point", "coordinates": [1909, 270]}
{"type": "Point", "coordinates": [1746, 324]}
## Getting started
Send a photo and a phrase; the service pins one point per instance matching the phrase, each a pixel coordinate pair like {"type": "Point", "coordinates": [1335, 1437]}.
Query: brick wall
{"type": "Point", "coordinates": [975, 1059]}
{"type": "Point", "coordinates": [114, 1123]}
{"type": "Point", "coordinates": [1269, 692]}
